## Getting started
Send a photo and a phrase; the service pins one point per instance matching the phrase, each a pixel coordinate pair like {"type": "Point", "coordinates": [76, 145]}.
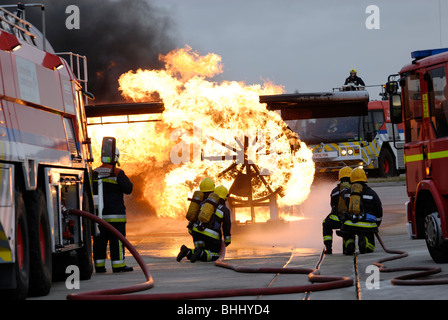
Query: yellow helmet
{"type": "Point", "coordinates": [222, 192]}
{"type": "Point", "coordinates": [345, 172]}
{"type": "Point", "coordinates": [207, 185]}
{"type": "Point", "coordinates": [358, 175]}
{"type": "Point", "coordinates": [353, 71]}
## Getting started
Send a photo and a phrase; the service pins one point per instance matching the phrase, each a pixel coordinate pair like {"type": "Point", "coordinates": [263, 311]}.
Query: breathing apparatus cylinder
{"type": "Point", "coordinates": [354, 207]}
{"type": "Point", "coordinates": [193, 209]}
{"type": "Point", "coordinates": [208, 209]}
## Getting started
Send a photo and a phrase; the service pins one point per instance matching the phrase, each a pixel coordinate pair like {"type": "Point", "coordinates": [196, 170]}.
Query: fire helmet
{"type": "Point", "coordinates": [117, 155]}
{"type": "Point", "coordinates": [345, 172]}
{"type": "Point", "coordinates": [222, 192]}
{"type": "Point", "coordinates": [358, 175]}
{"type": "Point", "coordinates": [207, 185]}
{"type": "Point", "coordinates": [353, 71]}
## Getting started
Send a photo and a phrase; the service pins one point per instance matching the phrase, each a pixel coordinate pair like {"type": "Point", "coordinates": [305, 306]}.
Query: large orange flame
{"type": "Point", "coordinates": [201, 133]}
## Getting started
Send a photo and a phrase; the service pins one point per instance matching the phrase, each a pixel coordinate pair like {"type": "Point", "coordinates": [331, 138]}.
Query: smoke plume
{"type": "Point", "coordinates": [115, 35]}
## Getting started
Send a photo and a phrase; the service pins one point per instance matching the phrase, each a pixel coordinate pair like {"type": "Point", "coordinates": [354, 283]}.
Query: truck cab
{"type": "Point", "coordinates": [422, 106]}
{"type": "Point", "coordinates": [354, 141]}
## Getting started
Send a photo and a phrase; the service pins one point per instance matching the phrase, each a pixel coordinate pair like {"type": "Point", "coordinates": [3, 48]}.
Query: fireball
{"type": "Point", "coordinates": [207, 129]}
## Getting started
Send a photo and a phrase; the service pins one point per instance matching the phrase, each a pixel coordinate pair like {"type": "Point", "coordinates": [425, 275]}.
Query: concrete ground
{"type": "Point", "coordinates": [296, 244]}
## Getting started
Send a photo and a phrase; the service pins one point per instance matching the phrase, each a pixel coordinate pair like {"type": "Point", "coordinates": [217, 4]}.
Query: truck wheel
{"type": "Point", "coordinates": [437, 246]}
{"type": "Point", "coordinates": [386, 164]}
{"type": "Point", "coordinates": [40, 244]}
{"type": "Point", "coordinates": [21, 267]}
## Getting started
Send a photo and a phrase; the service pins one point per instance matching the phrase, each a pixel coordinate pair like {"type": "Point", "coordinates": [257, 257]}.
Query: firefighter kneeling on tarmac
{"type": "Point", "coordinates": [338, 207]}
{"type": "Point", "coordinates": [207, 227]}
{"type": "Point", "coordinates": [363, 217]}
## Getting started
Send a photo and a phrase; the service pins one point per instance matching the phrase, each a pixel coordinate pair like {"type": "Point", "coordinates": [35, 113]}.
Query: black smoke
{"type": "Point", "coordinates": [115, 35]}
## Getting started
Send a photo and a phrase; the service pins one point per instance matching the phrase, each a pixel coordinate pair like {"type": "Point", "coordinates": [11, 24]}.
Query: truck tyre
{"type": "Point", "coordinates": [40, 244]}
{"type": "Point", "coordinates": [21, 267]}
{"type": "Point", "coordinates": [437, 246]}
{"type": "Point", "coordinates": [386, 164]}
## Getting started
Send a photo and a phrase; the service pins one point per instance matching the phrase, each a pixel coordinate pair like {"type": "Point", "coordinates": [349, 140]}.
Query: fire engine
{"type": "Point", "coordinates": [365, 141]}
{"type": "Point", "coordinates": [338, 136]}
{"type": "Point", "coordinates": [423, 108]}
{"type": "Point", "coordinates": [45, 159]}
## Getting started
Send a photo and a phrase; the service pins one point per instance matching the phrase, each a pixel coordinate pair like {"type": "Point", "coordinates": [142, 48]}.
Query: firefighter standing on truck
{"type": "Point", "coordinates": [338, 207]}
{"type": "Point", "coordinates": [364, 215]}
{"type": "Point", "coordinates": [208, 235]}
{"type": "Point", "coordinates": [353, 78]}
{"type": "Point", "coordinates": [115, 185]}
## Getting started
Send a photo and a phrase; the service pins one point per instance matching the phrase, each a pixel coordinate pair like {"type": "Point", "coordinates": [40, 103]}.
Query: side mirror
{"type": "Point", "coordinates": [396, 111]}
{"type": "Point", "coordinates": [89, 95]}
{"type": "Point", "coordinates": [392, 87]}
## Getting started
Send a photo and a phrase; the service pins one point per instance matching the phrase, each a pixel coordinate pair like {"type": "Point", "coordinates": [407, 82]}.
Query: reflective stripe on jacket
{"type": "Point", "coordinates": [115, 185]}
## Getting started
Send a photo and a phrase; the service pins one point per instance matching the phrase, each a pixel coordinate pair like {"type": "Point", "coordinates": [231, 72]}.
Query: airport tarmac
{"type": "Point", "coordinates": [297, 244]}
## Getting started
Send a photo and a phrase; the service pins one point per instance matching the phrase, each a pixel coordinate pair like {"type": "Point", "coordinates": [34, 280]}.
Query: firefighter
{"type": "Point", "coordinates": [353, 78]}
{"type": "Point", "coordinates": [115, 185]}
{"type": "Point", "coordinates": [338, 206]}
{"type": "Point", "coordinates": [363, 216]}
{"type": "Point", "coordinates": [206, 186]}
{"type": "Point", "coordinates": [208, 238]}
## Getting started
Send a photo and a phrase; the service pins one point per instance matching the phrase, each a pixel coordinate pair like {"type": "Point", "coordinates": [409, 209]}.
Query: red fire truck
{"type": "Point", "coordinates": [45, 160]}
{"type": "Point", "coordinates": [423, 107]}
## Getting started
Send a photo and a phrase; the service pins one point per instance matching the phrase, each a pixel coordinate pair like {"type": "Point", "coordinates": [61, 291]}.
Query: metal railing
{"type": "Point", "coordinates": [19, 26]}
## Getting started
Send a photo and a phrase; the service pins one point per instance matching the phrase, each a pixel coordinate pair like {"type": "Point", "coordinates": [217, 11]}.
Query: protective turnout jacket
{"type": "Point", "coordinates": [356, 80]}
{"type": "Point", "coordinates": [219, 224]}
{"type": "Point", "coordinates": [370, 217]}
{"type": "Point", "coordinates": [115, 185]}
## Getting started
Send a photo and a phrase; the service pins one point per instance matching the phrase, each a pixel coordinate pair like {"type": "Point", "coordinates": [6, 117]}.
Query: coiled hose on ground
{"type": "Point", "coordinates": [408, 279]}
{"type": "Point", "coordinates": [318, 282]}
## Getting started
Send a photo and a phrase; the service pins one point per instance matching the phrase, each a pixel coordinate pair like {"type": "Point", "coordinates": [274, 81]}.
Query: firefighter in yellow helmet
{"type": "Point", "coordinates": [364, 215]}
{"type": "Point", "coordinates": [206, 187]}
{"type": "Point", "coordinates": [338, 206]}
{"type": "Point", "coordinates": [207, 235]}
{"type": "Point", "coordinates": [353, 78]}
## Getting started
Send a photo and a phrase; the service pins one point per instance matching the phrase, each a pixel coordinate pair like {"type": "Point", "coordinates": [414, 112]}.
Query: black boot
{"type": "Point", "coordinates": [349, 249]}
{"type": "Point", "coordinates": [100, 269]}
{"type": "Point", "coordinates": [123, 269]}
{"type": "Point", "coordinates": [184, 252]}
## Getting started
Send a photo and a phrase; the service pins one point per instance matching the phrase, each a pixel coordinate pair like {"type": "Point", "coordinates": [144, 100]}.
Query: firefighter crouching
{"type": "Point", "coordinates": [338, 205]}
{"type": "Point", "coordinates": [212, 223]}
{"type": "Point", "coordinates": [115, 185]}
{"type": "Point", "coordinates": [206, 187]}
{"type": "Point", "coordinates": [363, 217]}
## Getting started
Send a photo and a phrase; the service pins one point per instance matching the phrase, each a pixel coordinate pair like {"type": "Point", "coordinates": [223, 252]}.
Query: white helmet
{"type": "Point", "coordinates": [117, 155]}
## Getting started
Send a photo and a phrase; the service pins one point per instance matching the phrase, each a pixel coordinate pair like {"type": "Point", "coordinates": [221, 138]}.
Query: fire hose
{"type": "Point", "coordinates": [408, 279]}
{"type": "Point", "coordinates": [318, 282]}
